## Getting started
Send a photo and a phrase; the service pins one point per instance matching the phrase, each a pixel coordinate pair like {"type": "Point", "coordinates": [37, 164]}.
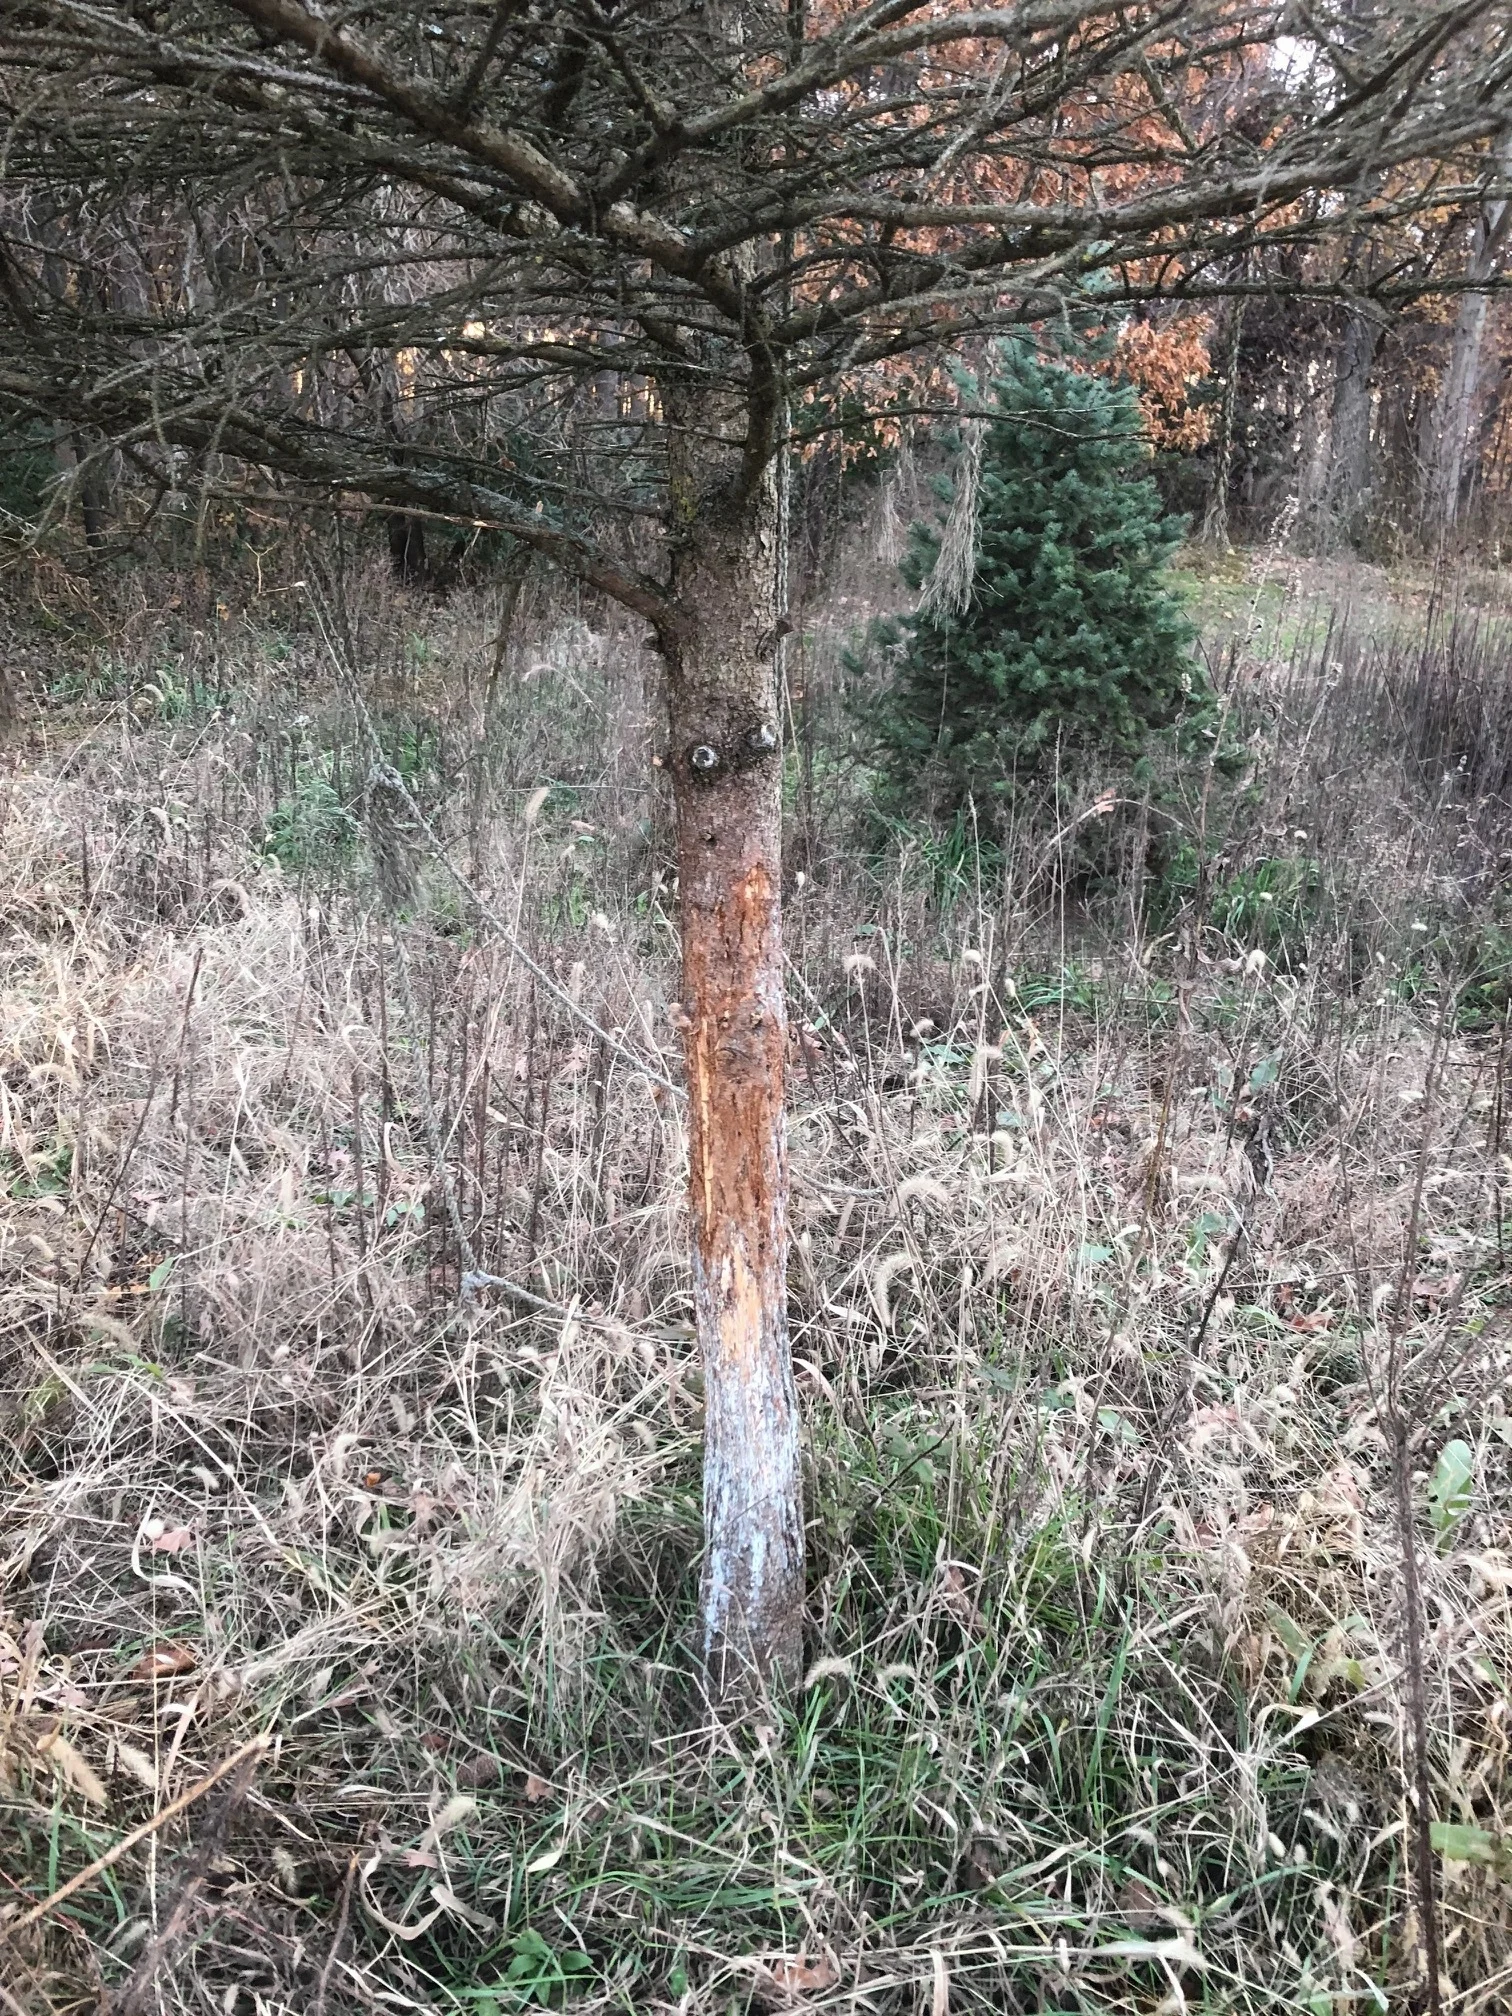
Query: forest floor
{"type": "Point", "coordinates": [1149, 1296]}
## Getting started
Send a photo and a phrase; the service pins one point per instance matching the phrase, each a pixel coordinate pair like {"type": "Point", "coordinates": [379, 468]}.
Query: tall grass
{"type": "Point", "coordinates": [1148, 1167]}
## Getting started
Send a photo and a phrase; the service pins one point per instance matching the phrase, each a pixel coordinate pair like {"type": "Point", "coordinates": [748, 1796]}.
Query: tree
{"type": "Point", "coordinates": [1346, 490]}
{"type": "Point", "coordinates": [1459, 395]}
{"type": "Point", "coordinates": [733, 206]}
{"type": "Point", "coordinates": [1070, 638]}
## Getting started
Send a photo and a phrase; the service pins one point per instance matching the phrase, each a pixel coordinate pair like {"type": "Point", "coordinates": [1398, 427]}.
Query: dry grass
{"type": "Point", "coordinates": [1102, 1321]}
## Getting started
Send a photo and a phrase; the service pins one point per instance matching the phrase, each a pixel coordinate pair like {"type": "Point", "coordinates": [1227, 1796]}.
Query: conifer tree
{"type": "Point", "coordinates": [1071, 638]}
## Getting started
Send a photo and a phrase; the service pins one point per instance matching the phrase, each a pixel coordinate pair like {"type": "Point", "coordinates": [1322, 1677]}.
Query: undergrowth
{"type": "Point", "coordinates": [1136, 1252]}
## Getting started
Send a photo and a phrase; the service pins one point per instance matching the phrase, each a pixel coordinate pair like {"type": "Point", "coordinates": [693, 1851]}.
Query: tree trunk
{"type": "Point", "coordinates": [1347, 497]}
{"type": "Point", "coordinates": [725, 760]}
{"type": "Point", "coordinates": [406, 541]}
{"type": "Point", "coordinates": [94, 495]}
{"type": "Point", "coordinates": [1215, 523]}
{"type": "Point", "coordinates": [1455, 410]}
{"type": "Point", "coordinates": [1454, 415]}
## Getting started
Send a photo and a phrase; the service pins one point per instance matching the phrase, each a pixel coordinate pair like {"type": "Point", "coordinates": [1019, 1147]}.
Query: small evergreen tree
{"type": "Point", "coordinates": [1072, 637]}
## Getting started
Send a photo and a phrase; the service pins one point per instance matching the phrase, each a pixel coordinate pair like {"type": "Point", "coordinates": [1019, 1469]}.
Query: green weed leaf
{"type": "Point", "coordinates": [1449, 1489]}
{"type": "Point", "coordinates": [1294, 1639]}
{"type": "Point", "coordinates": [1465, 1844]}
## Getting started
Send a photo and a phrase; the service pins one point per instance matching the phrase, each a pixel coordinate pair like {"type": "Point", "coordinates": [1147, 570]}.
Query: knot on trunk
{"type": "Point", "coordinates": [708, 761]}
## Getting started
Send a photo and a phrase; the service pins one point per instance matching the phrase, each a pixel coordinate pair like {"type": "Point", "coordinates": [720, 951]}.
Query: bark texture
{"type": "Point", "coordinates": [1215, 523]}
{"type": "Point", "coordinates": [1456, 412]}
{"type": "Point", "coordinates": [725, 761]}
{"type": "Point", "coordinates": [406, 540]}
{"type": "Point", "coordinates": [1449, 461]}
{"type": "Point", "coordinates": [1347, 499]}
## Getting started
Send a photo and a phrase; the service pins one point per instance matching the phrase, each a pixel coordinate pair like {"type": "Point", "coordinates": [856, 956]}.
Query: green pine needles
{"type": "Point", "coordinates": [1072, 640]}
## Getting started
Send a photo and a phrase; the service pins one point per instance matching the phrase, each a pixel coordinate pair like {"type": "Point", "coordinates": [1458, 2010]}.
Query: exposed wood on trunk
{"type": "Point", "coordinates": [725, 761]}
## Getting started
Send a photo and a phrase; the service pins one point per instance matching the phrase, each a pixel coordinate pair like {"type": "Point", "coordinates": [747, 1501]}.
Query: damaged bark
{"type": "Point", "coordinates": [725, 760]}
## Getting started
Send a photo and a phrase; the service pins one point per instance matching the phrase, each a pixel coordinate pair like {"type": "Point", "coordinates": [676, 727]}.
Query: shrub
{"type": "Point", "coordinates": [1072, 639]}
{"type": "Point", "coordinates": [310, 828]}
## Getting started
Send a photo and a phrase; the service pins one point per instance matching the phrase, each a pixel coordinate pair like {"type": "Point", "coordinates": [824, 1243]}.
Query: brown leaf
{"type": "Point", "coordinates": [958, 1599]}
{"type": "Point", "coordinates": [1320, 1319]}
{"type": "Point", "coordinates": [174, 1541]}
{"type": "Point", "coordinates": [481, 1769]}
{"type": "Point", "coordinates": [536, 1789]}
{"type": "Point", "coordinates": [800, 1976]}
{"type": "Point", "coordinates": [163, 1661]}
{"type": "Point", "coordinates": [1218, 1423]}
{"type": "Point", "coordinates": [1140, 1905]}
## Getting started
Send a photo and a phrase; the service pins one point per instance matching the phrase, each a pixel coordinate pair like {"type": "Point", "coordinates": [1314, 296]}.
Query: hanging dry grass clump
{"type": "Point", "coordinates": [952, 580]}
{"type": "Point", "coordinates": [898, 505]}
{"type": "Point", "coordinates": [392, 838]}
